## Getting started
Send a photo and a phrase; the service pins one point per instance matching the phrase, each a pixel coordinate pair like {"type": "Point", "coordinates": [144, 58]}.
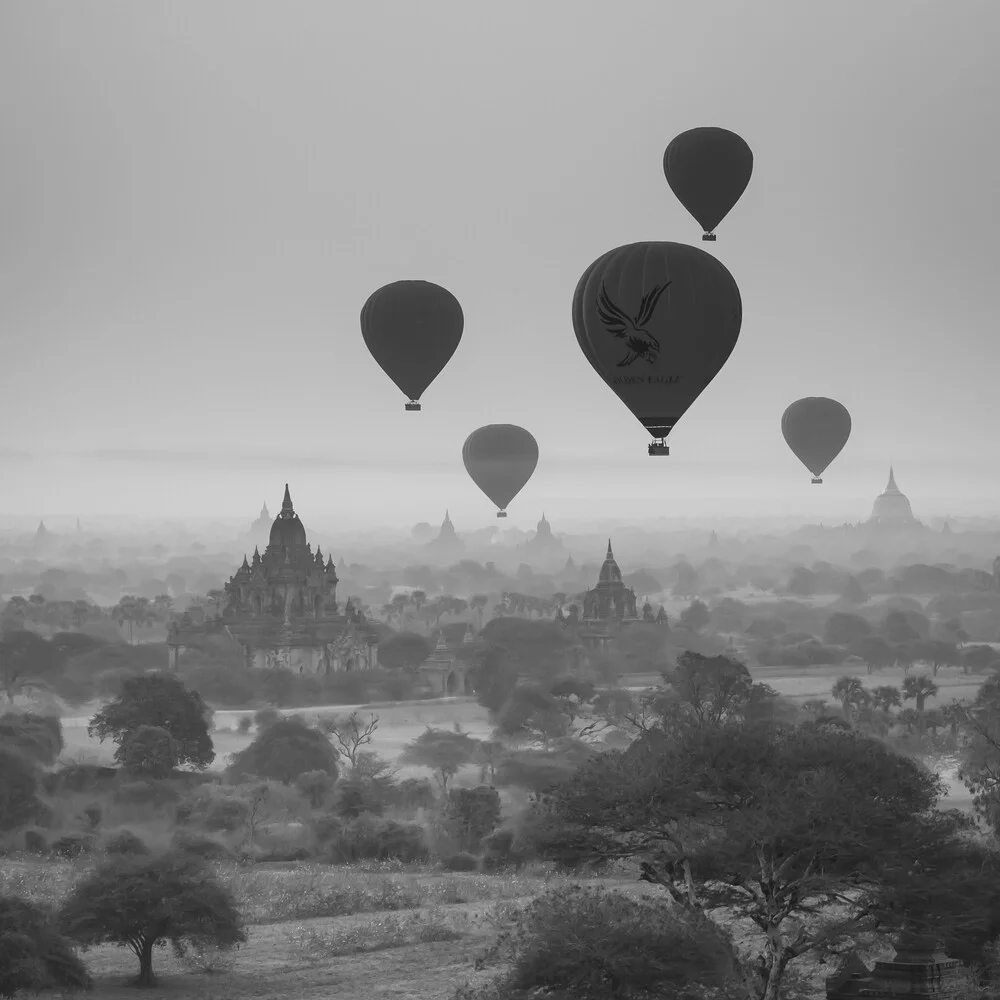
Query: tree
{"type": "Point", "coordinates": [27, 661]}
{"type": "Point", "coordinates": [530, 711]}
{"type": "Point", "coordinates": [472, 814]}
{"type": "Point", "coordinates": [315, 786]}
{"type": "Point", "coordinates": [33, 954]}
{"type": "Point", "coordinates": [874, 651]}
{"type": "Point", "coordinates": [139, 902]}
{"type": "Point", "coordinates": [442, 751]}
{"type": "Point", "coordinates": [350, 733]}
{"type": "Point", "coordinates": [695, 616]}
{"type": "Point", "coordinates": [853, 592]}
{"type": "Point", "coordinates": [803, 582]}
{"type": "Point", "coordinates": [919, 688]}
{"type": "Point", "coordinates": [404, 651]}
{"type": "Point", "coordinates": [492, 673]}
{"type": "Point", "coordinates": [687, 582]}
{"type": "Point", "coordinates": [842, 629]}
{"type": "Point", "coordinates": [150, 750]}
{"type": "Point", "coordinates": [539, 650]}
{"type": "Point", "coordinates": [772, 824]}
{"type": "Point", "coordinates": [897, 628]}
{"type": "Point", "coordinates": [18, 789]}
{"type": "Point", "coordinates": [38, 736]}
{"type": "Point", "coordinates": [157, 700]}
{"type": "Point", "coordinates": [851, 694]}
{"type": "Point", "coordinates": [285, 750]}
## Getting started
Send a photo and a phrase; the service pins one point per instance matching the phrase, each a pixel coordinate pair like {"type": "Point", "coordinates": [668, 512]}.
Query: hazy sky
{"type": "Point", "coordinates": [197, 197]}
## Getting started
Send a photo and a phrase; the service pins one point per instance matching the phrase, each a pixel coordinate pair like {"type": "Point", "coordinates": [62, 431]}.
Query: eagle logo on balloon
{"type": "Point", "coordinates": [641, 343]}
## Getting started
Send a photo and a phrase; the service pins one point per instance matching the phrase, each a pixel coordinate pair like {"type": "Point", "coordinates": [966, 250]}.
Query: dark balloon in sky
{"type": "Point", "coordinates": [816, 429]}
{"type": "Point", "coordinates": [412, 329]}
{"type": "Point", "coordinates": [657, 321]}
{"type": "Point", "coordinates": [500, 458]}
{"type": "Point", "coordinates": [708, 169]}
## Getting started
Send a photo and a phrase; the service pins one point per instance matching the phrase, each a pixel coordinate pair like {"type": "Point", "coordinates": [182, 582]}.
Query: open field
{"type": "Point", "coordinates": [404, 935]}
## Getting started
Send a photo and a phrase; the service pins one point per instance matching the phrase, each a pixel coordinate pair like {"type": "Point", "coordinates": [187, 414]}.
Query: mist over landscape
{"type": "Point", "coordinates": [499, 502]}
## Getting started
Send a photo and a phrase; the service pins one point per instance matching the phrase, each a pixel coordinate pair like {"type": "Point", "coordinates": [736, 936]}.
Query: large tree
{"type": "Point", "coordinates": [137, 902]}
{"type": "Point", "coordinates": [157, 700]}
{"type": "Point", "coordinates": [404, 651]}
{"type": "Point", "coordinates": [442, 751]}
{"type": "Point", "coordinates": [285, 750]}
{"type": "Point", "coordinates": [27, 661]}
{"type": "Point", "coordinates": [773, 824]}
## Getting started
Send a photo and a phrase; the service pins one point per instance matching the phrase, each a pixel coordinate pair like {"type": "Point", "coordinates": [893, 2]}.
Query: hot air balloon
{"type": "Point", "coordinates": [708, 169]}
{"type": "Point", "coordinates": [412, 329]}
{"type": "Point", "coordinates": [500, 458]}
{"type": "Point", "coordinates": [816, 429]}
{"type": "Point", "coordinates": [657, 321]}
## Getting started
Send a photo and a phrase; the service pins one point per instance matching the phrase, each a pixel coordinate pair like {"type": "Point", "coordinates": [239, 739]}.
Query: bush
{"type": "Point", "coordinates": [315, 786]}
{"type": "Point", "coordinates": [264, 719]}
{"type": "Point", "coordinates": [472, 814]}
{"type": "Point", "coordinates": [461, 862]}
{"type": "Point", "coordinates": [18, 790]}
{"type": "Point", "coordinates": [222, 812]}
{"type": "Point", "coordinates": [125, 842]}
{"type": "Point", "coordinates": [499, 853]}
{"type": "Point", "coordinates": [145, 793]}
{"type": "Point", "coordinates": [35, 842]}
{"type": "Point", "coordinates": [376, 839]}
{"type": "Point", "coordinates": [33, 954]}
{"type": "Point", "coordinates": [201, 846]}
{"type": "Point", "coordinates": [592, 943]}
{"type": "Point", "coordinates": [243, 726]}
{"type": "Point", "coordinates": [73, 845]}
{"type": "Point", "coordinates": [412, 794]}
{"type": "Point", "coordinates": [78, 778]}
{"type": "Point", "coordinates": [93, 814]}
{"type": "Point", "coordinates": [358, 794]}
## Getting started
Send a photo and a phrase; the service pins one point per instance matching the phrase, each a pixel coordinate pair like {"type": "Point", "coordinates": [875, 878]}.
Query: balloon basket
{"type": "Point", "coordinates": [657, 448]}
{"type": "Point", "coordinates": [412, 405]}
{"type": "Point", "coordinates": [501, 513]}
{"type": "Point", "coordinates": [708, 238]}
{"type": "Point", "coordinates": [817, 481]}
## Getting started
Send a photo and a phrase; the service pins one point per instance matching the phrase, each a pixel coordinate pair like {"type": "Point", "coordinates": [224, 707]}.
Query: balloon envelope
{"type": "Point", "coordinates": [708, 169]}
{"type": "Point", "coordinates": [657, 321]}
{"type": "Point", "coordinates": [412, 329]}
{"type": "Point", "coordinates": [816, 429]}
{"type": "Point", "coordinates": [500, 458]}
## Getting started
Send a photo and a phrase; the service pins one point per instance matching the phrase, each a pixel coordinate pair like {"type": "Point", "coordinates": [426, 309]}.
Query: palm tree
{"type": "Point", "coordinates": [919, 687]}
{"type": "Point", "coordinates": [850, 692]}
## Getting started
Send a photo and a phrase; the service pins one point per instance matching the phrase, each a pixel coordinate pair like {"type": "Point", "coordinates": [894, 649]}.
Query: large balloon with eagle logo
{"type": "Point", "coordinates": [657, 321]}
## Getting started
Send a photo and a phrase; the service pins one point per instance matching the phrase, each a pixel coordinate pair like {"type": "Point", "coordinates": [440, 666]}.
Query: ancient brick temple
{"type": "Point", "coordinates": [611, 605]}
{"type": "Point", "coordinates": [282, 609]}
{"type": "Point", "coordinates": [920, 968]}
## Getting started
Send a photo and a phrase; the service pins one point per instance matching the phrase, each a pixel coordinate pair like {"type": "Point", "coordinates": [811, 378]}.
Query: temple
{"type": "Point", "coordinates": [260, 530]}
{"type": "Point", "coordinates": [543, 545]}
{"type": "Point", "coordinates": [891, 508]}
{"type": "Point", "coordinates": [281, 607]}
{"type": "Point", "coordinates": [447, 545]}
{"type": "Point", "coordinates": [611, 605]}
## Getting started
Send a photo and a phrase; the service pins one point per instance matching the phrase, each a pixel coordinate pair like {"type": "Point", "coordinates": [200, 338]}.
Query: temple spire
{"type": "Point", "coordinates": [892, 487]}
{"type": "Point", "coordinates": [286, 504]}
{"type": "Point", "coordinates": [610, 556]}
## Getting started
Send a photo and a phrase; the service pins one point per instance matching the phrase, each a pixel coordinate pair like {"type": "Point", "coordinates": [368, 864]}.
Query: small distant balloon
{"type": "Point", "coordinates": [657, 322]}
{"type": "Point", "coordinates": [412, 328]}
{"type": "Point", "coordinates": [500, 459]}
{"type": "Point", "coordinates": [708, 169]}
{"type": "Point", "coordinates": [816, 429]}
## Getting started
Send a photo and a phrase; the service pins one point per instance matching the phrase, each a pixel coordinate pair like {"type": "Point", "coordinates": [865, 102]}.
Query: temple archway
{"type": "Point", "coordinates": [451, 683]}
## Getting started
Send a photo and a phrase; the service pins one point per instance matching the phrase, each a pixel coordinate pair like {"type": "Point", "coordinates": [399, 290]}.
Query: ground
{"type": "Point", "coordinates": [421, 947]}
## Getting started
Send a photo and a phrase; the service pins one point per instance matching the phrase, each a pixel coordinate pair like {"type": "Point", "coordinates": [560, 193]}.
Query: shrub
{"type": "Point", "coordinates": [283, 751]}
{"type": "Point", "coordinates": [315, 786]}
{"type": "Point", "coordinates": [264, 719]}
{"type": "Point", "coordinates": [145, 793]}
{"type": "Point", "coordinates": [73, 845]}
{"type": "Point", "coordinates": [223, 812]}
{"type": "Point", "coordinates": [150, 750]}
{"type": "Point", "coordinates": [461, 862]}
{"type": "Point", "coordinates": [18, 790]}
{"type": "Point", "coordinates": [414, 793]}
{"type": "Point", "coordinates": [471, 814]}
{"type": "Point", "coordinates": [33, 954]}
{"type": "Point", "coordinates": [78, 778]}
{"type": "Point", "coordinates": [35, 842]}
{"type": "Point", "coordinates": [93, 814]}
{"type": "Point", "coordinates": [370, 837]}
{"type": "Point", "coordinates": [243, 726]}
{"type": "Point", "coordinates": [201, 846]}
{"type": "Point", "coordinates": [592, 943]}
{"type": "Point", "coordinates": [125, 842]}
